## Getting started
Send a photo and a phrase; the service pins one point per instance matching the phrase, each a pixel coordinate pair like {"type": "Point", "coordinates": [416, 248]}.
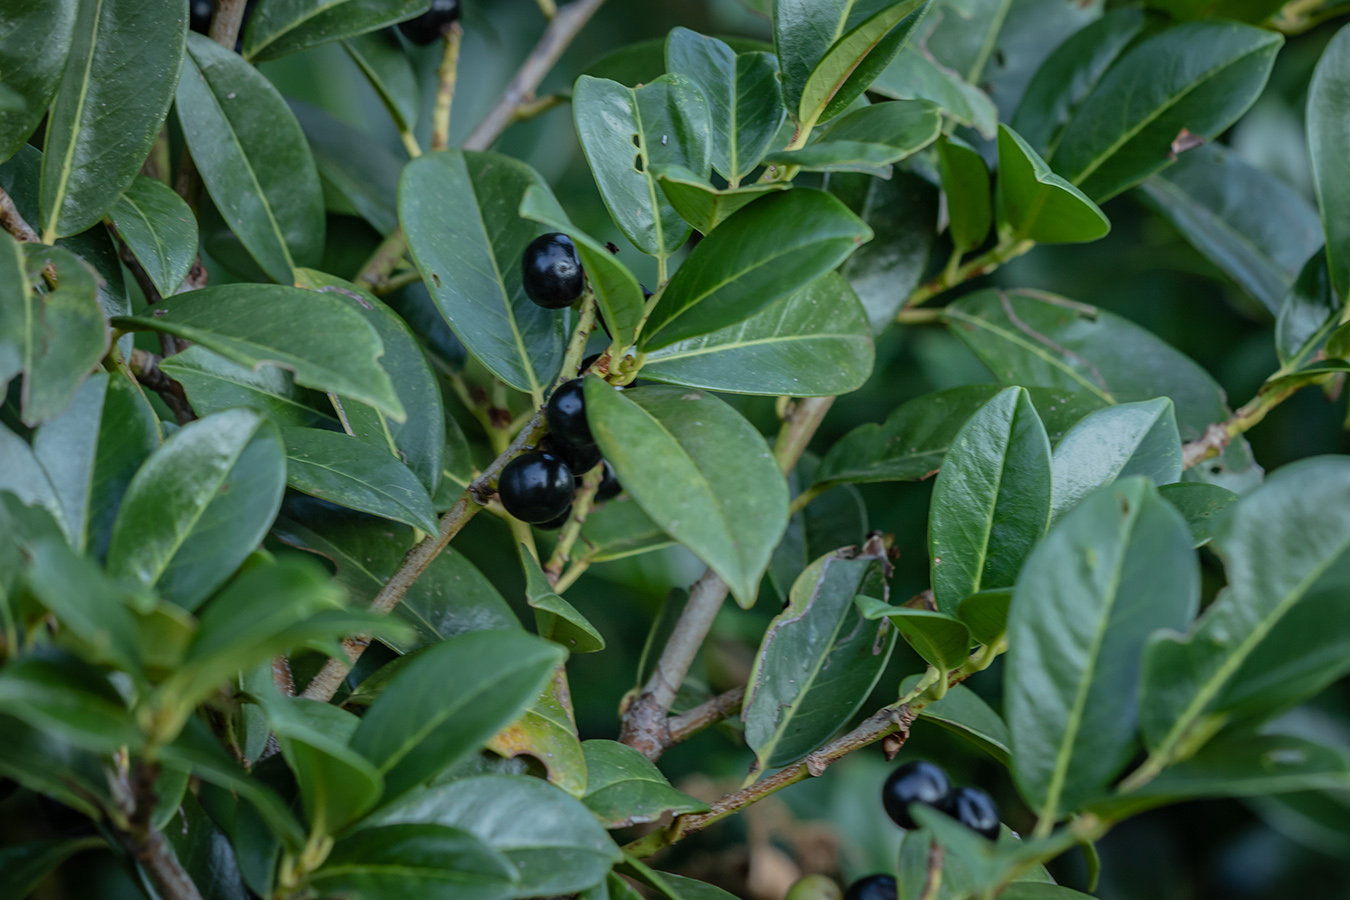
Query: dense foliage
{"type": "Point", "coordinates": [315, 394]}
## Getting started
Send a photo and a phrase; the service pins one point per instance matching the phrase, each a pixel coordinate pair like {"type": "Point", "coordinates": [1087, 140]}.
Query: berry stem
{"type": "Point", "coordinates": [576, 347]}
{"type": "Point", "coordinates": [581, 507]}
{"type": "Point", "coordinates": [447, 74]}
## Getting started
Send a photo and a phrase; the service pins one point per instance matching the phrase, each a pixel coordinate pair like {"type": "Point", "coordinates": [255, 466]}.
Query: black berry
{"type": "Point", "coordinates": [974, 809]}
{"type": "Point", "coordinates": [199, 15]}
{"type": "Point", "coordinates": [873, 887]}
{"type": "Point", "coordinates": [536, 487]}
{"type": "Point", "coordinates": [579, 459]}
{"type": "Point", "coordinates": [589, 361]}
{"type": "Point", "coordinates": [432, 24]}
{"type": "Point", "coordinates": [553, 274]}
{"type": "Point", "coordinates": [609, 485]}
{"type": "Point", "coordinates": [555, 524]}
{"type": "Point", "coordinates": [914, 782]}
{"type": "Point", "coordinates": [566, 416]}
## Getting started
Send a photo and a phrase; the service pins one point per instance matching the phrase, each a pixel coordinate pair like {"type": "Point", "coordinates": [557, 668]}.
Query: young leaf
{"type": "Point", "coordinates": [33, 51]}
{"type": "Point", "coordinates": [819, 658]}
{"type": "Point", "coordinates": [964, 712]}
{"type": "Point", "coordinates": [253, 158]}
{"type": "Point", "coordinates": [1130, 439]}
{"type": "Point", "coordinates": [965, 181]}
{"type": "Point", "coordinates": [1116, 568]}
{"type": "Point", "coordinates": [1038, 205]}
{"type": "Point", "coordinates": [416, 859]}
{"type": "Point", "coordinates": [199, 505]}
{"type": "Point", "coordinates": [876, 135]}
{"type": "Point", "coordinates": [160, 230]}
{"type": "Point", "coordinates": [460, 214]}
{"type": "Point", "coordinates": [625, 788]}
{"type": "Point", "coordinates": [285, 26]}
{"type": "Point", "coordinates": [1309, 312]}
{"type": "Point", "coordinates": [986, 614]}
{"type": "Point", "coordinates": [758, 255]}
{"type": "Point", "coordinates": [1328, 132]}
{"type": "Point", "coordinates": [1199, 504]}
{"type": "Point", "coordinates": [915, 75]}
{"type": "Point", "coordinates": [702, 205]}
{"type": "Point", "coordinates": [625, 132]}
{"type": "Point", "coordinates": [554, 618]}
{"type": "Point", "coordinates": [119, 80]}
{"type": "Point", "coordinates": [699, 470]}
{"type": "Point", "coordinates": [815, 342]}
{"type": "Point", "coordinates": [942, 641]}
{"type": "Point", "coordinates": [991, 501]}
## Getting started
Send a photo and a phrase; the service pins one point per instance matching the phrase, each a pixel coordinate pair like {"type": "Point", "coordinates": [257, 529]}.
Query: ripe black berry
{"type": "Point", "coordinates": [199, 15]}
{"type": "Point", "coordinates": [974, 809]}
{"type": "Point", "coordinates": [609, 485]}
{"type": "Point", "coordinates": [555, 524]}
{"type": "Point", "coordinates": [432, 24]}
{"type": "Point", "coordinates": [536, 487]}
{"type": "Point", "coordinates": [553, 274]}
{"type": "Point", "coordinates": [873, 887]}
{"type": "Point", "coordinates": [566, 416]}
{"type": "Point", "coordinates": [914, 782]}
{"type": "Point", "coordinates": [579, 459]}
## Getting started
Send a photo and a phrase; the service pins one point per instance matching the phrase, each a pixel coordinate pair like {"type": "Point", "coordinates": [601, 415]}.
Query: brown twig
{"type": "Point", "coordinates": [141, 840]}
{"type": "Point", "coordinates": [1217, 436]}
{"type": "Point", "coordinates": [227, 21]}
{"type": "Point", "coordinates": [145, 366]}
{"type": "Point", "coordinates": [687, 724]}
{"type": "Point", "coordinates": [11, 221]}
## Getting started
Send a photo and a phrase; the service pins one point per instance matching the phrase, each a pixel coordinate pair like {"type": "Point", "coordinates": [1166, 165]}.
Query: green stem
{"type": "Point", "coordinates": [581, 507]}
{"type": "Point", "coordinates": [802, 500]}
{"type": "Point", "coordinates": [1007, 249]}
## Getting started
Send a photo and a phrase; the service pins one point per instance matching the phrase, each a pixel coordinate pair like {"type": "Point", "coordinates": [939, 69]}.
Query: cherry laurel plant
{"type": "Point", "coordinates": [237, 640]}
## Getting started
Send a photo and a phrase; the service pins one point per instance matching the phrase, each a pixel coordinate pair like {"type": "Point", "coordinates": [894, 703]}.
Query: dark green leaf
{"type": "Point", "coordinates": [46, 763]}
{"type": "Point", "coordinates": [626, 133]}
{"type": "Point", "coordinates": [69, 699]}
{"type": "Point", "coordinates": [871, 137]}
{"type": "Point", "coordinates": [285, 26]}
{"type": "Point", "coordinates": [700, 471]}
{"type": "Point", "coordinates": [36, 40]}
{"type": "Point", "coordinates": [253, 158]}
{"type": "Point", "coordinates": [1038, 205]}
{"type": "Point", "coordinates": [965, 713]}
{"type": "Point", "coordinates": [815, 342]}
{"type": "Point", "coordinates": [942, 641]}
{"type": "Point", "coordinates": [986, 614]}
{"type": "Point", "coordinates": [361, 170]}
{"type": "Point", "coordinates": [760, 254]}
{"type": "Point", "coordinates": [22, 476]}
{"type": "Point", "coordinates": [1137, 438]}
{"type": "Point", "coordinates": [965, 181]}
{"type": "Point", "coordinates": [417, 859]}
{"type": "Point", "coordinates": [555, 618]}
{"type": "Point", "coordinates": [1198, 504]}
{"type": "Point", "coordinates": [199, 505]}
{"type": "Point", "coordinates": [1308, 313]}
{"type": "Point", "coordinates": [704, 206]}
{"type": "Point", "coordinates": [86, 604]}
{"type": "Point", "coordinates": [619, 529]}
{"type": "Point", "coordinates": [382, 59]}
{"type": "Point", "coordinates": [625, 788]}
{"type": "Point", "coordinates": [460, 212]}
{"type": "Point", "coordinates": [119, 80]}
{"type": "Point", "coordinates": [915, 75]}
{"type": "Point", "coordinates": [214, 383]}
{"type": "Point", "coordinates": [839, 156]}
{"type": "Point", "coordinates": [202, 848]}
{"type": "Point", "coordinates": [23, 866]}
{"type": "Point", "coordinates": [160, 229]}
{"type": "Point", "coordinates": [1328, 133]}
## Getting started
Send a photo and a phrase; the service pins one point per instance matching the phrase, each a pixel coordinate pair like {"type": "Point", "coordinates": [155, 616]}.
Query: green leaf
{"type": "Point", "coordinates": [964, 712]}
{"type": "Point", "coordinates": [1253, 226]}
{"type": "Point", "coordinates": [670, 886]}
{"type": "Point", "coordinates": [416, 859]}
{"type": "Point", "coordinates": [460, 214]}
{"type": "Point", "coordinates": [839, 156]}
{"type": "Point", "coordinates": [1030, 890]}
{"type": "Point", "coordinates": [700, 471]}
{"type": "Point", "coordinates": [1328, 132]}
{"type": "Point", "coordinates": [620, 298]}
{"type": "Point", "coordinates": [626, 133]}
{"type": "Point", "coordinates": [382, 59]}
{"type": "Point", "coordinates": [760, 254]}
{"type": "Point", "coordinates": [70, 699]}
{"type": "Point", "coordinates": [554, 618]}
{"type": "Point", "coordinates": [1198, 504]}
{"type": "Point", "coordinates": [24, 866]}
{"type": "Point", "coordinates": [620, 529]}
{"type": "Point", "coordinates": [991, 501]}
{"type": "Point", "coordinates": [819, 658]}
{"type": "Point", "coordinates": [552, 840]}
{"type": "Point", "coordinates": [86, 604]}
{"type": "Point", "coordinates": [285, 26]}
{"type": "Point", "coordinates": [1115, 569]}
{"type": "Point", "coordinates": [47, 763]}
{"type": "Point", "coordinates": [873, 136]}
{"type": "Point", "coordinates": [625, 788]}
{"type": "Point", "coordinates": [119, 80]}
{"type": "Point", "coordinates": [203, 849]}
{"type": "Point", "coordinates": [742, 96]}
{"type": "Point", "coordinates": [199, 505]}
{"type": "Point", "coordinates": [1069, 74]}
{"type": "Point", "coordinates": [1275, 543]}
{"type": "Point", "coordinates": [315, 335]}
{"type": "Point", "coordinates": [704, 206]}
{"type": "Point", "coordinates": [1198, 77]}
{"type": "Point", "coordinates": [160, 230]}
{"type": "Point", "coordinates": [915, 75]}
{"type": "Point", "coordinates": [352, 473]}
{"type": "Point", "coordinates": [911, 444]}
{"type": "Point", "coordinates": [24, 477]}
{"type": "Point", "coordinates": [814, 342]}
{"type": "Point", "coordinates": [92, 450]}
{"type": "Point", "coordinates": [965, 181]}
{"type": "Point", "coordinates": [33, 50]}
{"type": "Point", "coordinates": [986, 614]}
{"type": "Point", "coordinates": [1130, 439]}
{"type": "Point", "coordinates": [414, 731]}
{"type": "Point", "coordinates": [1038, 205]}
{"type": "Point", "coordinates": [547, 731]}
{"type": "Point", "coordinates": [837, 518]}
{"type": "Point", "coordinates": [1308, 313]}
{"type": "Point", "coordinates": [363, 173]}
{"type": "Point", "coordinates": [942, 641]}
{"type": "Point", "coordinates": [253, 158]}
{"type": "Point", "coordinates": [214, 383]}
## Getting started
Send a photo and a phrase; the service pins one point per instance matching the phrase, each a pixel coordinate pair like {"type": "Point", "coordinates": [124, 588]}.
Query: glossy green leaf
{"type": "Point", "coordinates": [214, 383]}
{"type": "Point", "coordinates": [364, 173]}
{"type": "Point", "coordinates": [199, 505]}
{"type": "Point", "coordinates": [1069, 74]}
{"type": "Point", "coordinates": [35, 37]}
{"type": "Point", "coordinates": [700, 471]}
{"type": "Point", "coordinates": [760, 254]}
{"type": "Point", "coordinates": [119, 79]}
{"type": "Point", "coordinates": [1199, 504]}
{"type": "Point", "coordinates": [23, 477]}
{"type": "Point", "coordinates": [1253, 226]}
{"type": "Point", "coordinates": [1328, 132]}
{"type": "Point", "coordinates": [24, 866]}
{"type": "Point", "coordinates": [986, 614]}
{"type": "Point", "coordinates": [1038, 205]}
{"type": "Point", "coordinates": [671, 886]}
{"type": "Point", "coordinates": [626, 133]}
{"type": "Point", "coordinates": [942, 641]}
{"type": "Point", "coordinates": [160, 230]}
{"type": "Point", "coordinates": [1308, 313]}
{"type": "Point", "coordinates": [964, 712]}
{"type": "Point", "coordinates": [336, 784]}
{"type": "Point", "coordinates": [1115, 569]}
{"type": "Point", "coordinates": [203, 849]}
{"type": "Point", "coordinates": [46, 763]}
{"type": "Point", "coordinates": [86, 603]}
{"type": "Point", "coordinates": [315, 335]}
{"type": "Point", "coordinates": [742, 96]}
{"type": "Point", "coordinates": [862, 157]}
{"type": "Point", "coordinates": [704, 206]}
{"type": "Point", "coordinates": [70, 699]}
{"type": "Point", "coordinates": [815, 342]}
{"type": "Point", "coordinates": [553, 841]}
{"type": "Point", "coordinates": [965, 181]}
{"type": "Point", "coordinates": [285, 26]}
{"type": "Point", "coordinates": [1275, 543]}
{"type": "Point", "coordinates": [619, 529]}
{"type": "Point", "coordinates": [253, 158]}
{"type": "Point", "coordinates": [818, 660]}
{"type": "Point", "coordinates": [626, 788]}
{"type": "Point", "coordinates": [555, 618]}
{"type": "Point", "coordinates": [547, 731]}
{"type": "Point", "coordinates": [460, 214]}
{"type": "Point", "coordinates": [386, 65]}
{"type": "Point", "coordinates": [619, 296]}
{"type": "Point", "coordinates": [414, 731]}
{"type": "Point", "coordinates": [911, 444]}
{"type": "Point", "coordinates": [1130, 439]}
{"type": "Point", "coordinates": [915, 75]}
{"type": "Point", "coordinates": [991, 501]}
{"type": "Point", "coordinates": [1197, 77]}
{"type": "Point", "coordinates": [865, 139]}
{"type": "Point", "coordinates": [415, 859]}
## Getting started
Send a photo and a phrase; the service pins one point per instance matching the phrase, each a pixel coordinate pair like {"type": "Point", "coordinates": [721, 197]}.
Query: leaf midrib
{"type": "Point", "coordinates": [160, 247]}
{"type": "Point", "coordinates": [659, 355]}
{"type": "Point", "coordinates": [1014, 339]}
{"type": "Point", "coordinates": [63, 180]}
{"type": "Point", "coordinates": [350, 478]}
